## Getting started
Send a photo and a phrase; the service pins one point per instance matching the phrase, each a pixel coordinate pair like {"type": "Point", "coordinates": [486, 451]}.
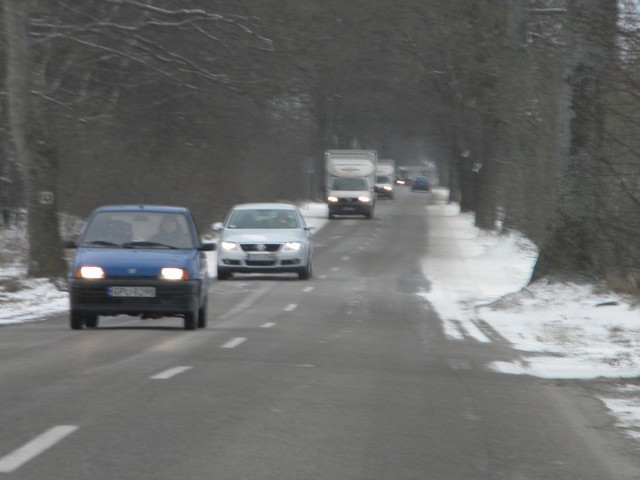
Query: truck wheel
{"type": "Point", "coordinates": [76, 320]}
{"type": "Point", "coordinates": [91, 320]}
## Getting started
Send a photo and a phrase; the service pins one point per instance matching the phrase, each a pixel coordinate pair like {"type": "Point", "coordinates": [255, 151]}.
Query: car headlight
{"type": "Point", "coordinates": [363, 199]}
{"type": "Point", "coordinates": [174, 273]}
{"type": "Point", "coordinates": [332, 199]}
{"type": "Point", "coordinates": [89, 272]}
{"type": "Point", "coordinates": [229, 246]}
{"type": "Point", "coordinates": [387, 187]}
{"type": "Point", "coordinates": [295, 246]}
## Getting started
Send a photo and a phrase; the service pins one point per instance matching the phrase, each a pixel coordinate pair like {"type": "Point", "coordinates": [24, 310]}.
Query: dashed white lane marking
{"type": "Point", "coordinates": [308, 289]}
{"type": "Point", "coordinates": [335, 269]}
{"type": "Point", "coordinates": [346, 257]}
{"type": "Point", "coordinates": [290, 308]}
{"type": "Point", "coordinates": [267, 325]}
{"type": "Point", "coordinates": [171, 372]}
{"type": "Point", "coordinates": [234, 342]}
{"type": "Point", "coordinates": [35, 447]}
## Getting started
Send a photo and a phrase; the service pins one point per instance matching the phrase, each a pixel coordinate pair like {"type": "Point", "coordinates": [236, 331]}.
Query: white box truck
{"type": "Point", "coordinates": [350, 181]}
{"type": "Point", "coordinates": [385, 178]}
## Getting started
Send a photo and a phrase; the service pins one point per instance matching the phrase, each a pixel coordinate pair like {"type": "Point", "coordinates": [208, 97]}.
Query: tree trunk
{"type": "Point", "coordinates": [572, 249]}
{"type": "Point", "coordinates": [35, 154]}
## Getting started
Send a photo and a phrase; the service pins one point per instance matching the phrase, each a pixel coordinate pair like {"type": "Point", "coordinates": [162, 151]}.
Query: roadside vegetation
{"type": "Point", "coordinates": [528, 110]}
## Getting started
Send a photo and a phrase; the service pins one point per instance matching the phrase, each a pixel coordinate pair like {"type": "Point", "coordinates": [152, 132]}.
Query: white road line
{"type": "Point", "coordinates": [35, 447]}
{"type": "Point", "coordinates": [308, 289]}
{"type": "Point", "coordinates": [171, 372]}
{"type": "Point", "coordinates": [234, 342]}
{"type": "Point", "coordinates": [267, 325]}
{"type": "Point", "coordinates": [290, 308]}
{"type": "Point", "coordinates": [346, 257]}
{"type": "Point", "coordinates": [335, 269]}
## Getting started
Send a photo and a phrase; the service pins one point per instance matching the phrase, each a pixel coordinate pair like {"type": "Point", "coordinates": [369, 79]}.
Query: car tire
{"type": "Point", "coordinates": [223, 274]}
{"type": "Point", "coordinates": [202, 315]}
{"type": "Point", "coordinates": [91, 320]}
{"type": "Point", "coordinates": [191, 317]}
{"type": "Point", "coordinates": [76, 320]}
{"type": "Point", "coordinates": [306, 272]}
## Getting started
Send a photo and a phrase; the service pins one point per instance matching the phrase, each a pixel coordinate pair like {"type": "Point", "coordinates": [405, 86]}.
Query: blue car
{"type": "Point", "coordinates": [139, 260]}
{"type": "Point", "coordinates": [421, 183]}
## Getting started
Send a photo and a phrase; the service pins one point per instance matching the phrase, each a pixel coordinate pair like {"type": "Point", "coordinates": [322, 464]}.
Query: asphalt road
{"type": "Point", "coordinates": [347, 376]}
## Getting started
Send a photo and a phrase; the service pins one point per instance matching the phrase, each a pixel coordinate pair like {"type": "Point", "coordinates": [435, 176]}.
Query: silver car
{"type": "Point", "coordinates": [264, 238]}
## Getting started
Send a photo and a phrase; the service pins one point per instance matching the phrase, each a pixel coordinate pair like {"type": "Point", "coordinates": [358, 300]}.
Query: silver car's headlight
{"type": "Point", "coordinates": [364, 199]}
{"type": "Point", "coordinates": [229, 245]}
{"type": "Point", "coordinates": [294, 246]}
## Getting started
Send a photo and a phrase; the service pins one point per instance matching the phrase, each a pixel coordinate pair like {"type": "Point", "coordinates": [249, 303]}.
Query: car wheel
{"type": "Point", "coordinates": [202, 315]}
{"type": "Point", "coordinates": [77, 320]}
{"type": "Point", "coordinates": [368, 215]}
{"type": "Point", "coordinates": [331, 216]}
{"type": "Point", "coordinates": [191, 317]}
{"type": "Point", "coordinates": [91, 320]}
{"type": "Point", "coordinates": [223, 274]}
{"type": "Point", "coordinates": [306, 272]}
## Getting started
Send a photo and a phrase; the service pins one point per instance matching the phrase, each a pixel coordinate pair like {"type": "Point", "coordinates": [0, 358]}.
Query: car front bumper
{"type": "Point", "coordinates": [93, 296]}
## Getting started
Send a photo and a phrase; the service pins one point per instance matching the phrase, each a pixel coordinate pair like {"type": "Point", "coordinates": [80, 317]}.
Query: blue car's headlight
{"type": "Point", "coordinates": [174, 273]}
{"type": "Point", "coordinates": [89, 272]}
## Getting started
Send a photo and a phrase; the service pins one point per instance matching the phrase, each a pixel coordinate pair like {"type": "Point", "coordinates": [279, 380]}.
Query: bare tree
{"type": "Point", "coordinates": [36, 154]}
{"type": "Point", "coordinates": [573, 248]}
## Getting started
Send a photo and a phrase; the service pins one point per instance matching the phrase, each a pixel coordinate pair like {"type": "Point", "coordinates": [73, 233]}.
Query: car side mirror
{"type": "Point", "coordinates": [218, 226]}
{"type": "Point", "coordinates": [68, 244]}
{"type": "Point", "coordinates": [208, 247]}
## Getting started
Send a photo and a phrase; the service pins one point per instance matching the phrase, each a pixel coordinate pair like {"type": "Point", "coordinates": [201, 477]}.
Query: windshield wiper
{"type": "Point", "coordinates": [147, 244]}
{"type": "Point", "coordinates": [104, 243]}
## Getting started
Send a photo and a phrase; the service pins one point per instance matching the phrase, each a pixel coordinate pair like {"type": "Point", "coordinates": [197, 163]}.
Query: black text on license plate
{"type": "Point", "coordinates": [132, 291]}
{"type": "Point", "coordinates": [261, 257]}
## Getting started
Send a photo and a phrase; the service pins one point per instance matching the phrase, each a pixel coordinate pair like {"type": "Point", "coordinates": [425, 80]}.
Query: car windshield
{"type": "Point", "coordinates": [138, 230]}
{"type": "Point", "coordinates": [263, 218]}
{"type": "Point", "coordinates": [383, 179]}
{"type": "Point", "coordinates": [349, 184]}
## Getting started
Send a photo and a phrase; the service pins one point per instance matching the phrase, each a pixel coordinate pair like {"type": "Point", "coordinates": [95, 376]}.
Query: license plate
{"type": "Point", "coordinates": [132, 292]}
{"type": "Point", "coordinates": [261, 257]}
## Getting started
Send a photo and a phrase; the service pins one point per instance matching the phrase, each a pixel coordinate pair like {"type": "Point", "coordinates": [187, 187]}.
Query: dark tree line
{"type": "Point", "coordinates": [527, 108]}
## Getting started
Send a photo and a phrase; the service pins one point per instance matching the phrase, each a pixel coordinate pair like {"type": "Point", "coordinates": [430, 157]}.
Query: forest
{"type": "Point", "coordinates": [527, 108]}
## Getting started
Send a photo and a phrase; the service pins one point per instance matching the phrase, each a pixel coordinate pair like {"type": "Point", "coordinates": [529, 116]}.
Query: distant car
{"type": "Point", "coordinates": [421, 183]}
{"type": "Point", "coordinates": [385, 186]}
{"type": "Point", "coordinates": [139, 260]}
{"type": "Point", "coordinates": [264, 238]}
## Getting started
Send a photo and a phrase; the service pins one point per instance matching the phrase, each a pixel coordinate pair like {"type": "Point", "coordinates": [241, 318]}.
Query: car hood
{"type": "Point", "coordinates": [135, 261]}
{"type": "Point", "coordinates": [279, 235]}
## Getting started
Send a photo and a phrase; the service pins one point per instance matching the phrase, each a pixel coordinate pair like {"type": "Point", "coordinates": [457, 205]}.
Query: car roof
{"type": "Point", "coordinates": [265, 205]}
{"type": "Point", "coordinates": [142, 208]}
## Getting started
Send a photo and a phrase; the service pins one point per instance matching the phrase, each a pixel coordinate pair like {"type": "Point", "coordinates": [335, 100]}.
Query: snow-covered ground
{"type": "Point", "coordinates": [562, 331]}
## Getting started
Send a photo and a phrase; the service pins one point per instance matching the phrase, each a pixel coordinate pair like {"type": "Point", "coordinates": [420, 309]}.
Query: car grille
{"type": "Point", "coordinates": [260, 247]}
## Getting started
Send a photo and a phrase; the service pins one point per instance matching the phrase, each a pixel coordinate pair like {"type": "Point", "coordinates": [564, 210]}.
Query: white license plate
{"type": "Point", "coordinates": [261, 257]}
{"type": "Point", "coordinates": [132, 292]}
